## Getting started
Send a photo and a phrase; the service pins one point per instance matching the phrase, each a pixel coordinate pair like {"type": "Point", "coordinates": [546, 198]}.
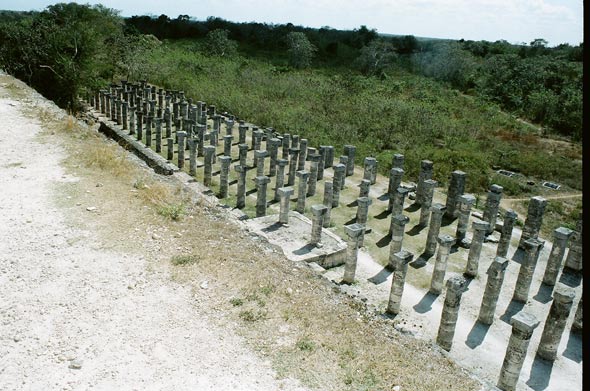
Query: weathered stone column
{"type": "Point", "coordinates": [364, 188]}
{"type": "Point", "coordinates": [229, 127]}
{"type": "Point", "coordinates": [217, 122]}
{"type": "Point", "coordinates": [295, 141]}
{"type": "Point", "coordinates": [399, 197]}
{"type": "Point", "coordinates": [314, 159]}
{"type": "Point", "coordinates": [329, 159]}
{"type": "Point", "coordinates": [504, 243]}
{"type": "Point", "coordinates": [534, 219]}
{"type": "Point", "coordinates": [227, 140]}
{"type": "Point", "coordinates": [209, 152]}
{"type": "Point", "coordinates": [192, 156]}
{"type": "Point", "coordinates": [158, 135]}
{"type": "Point", "coordinates": [560, 238]}
{"type": "Point", "coordinates": [328, 192]}
{"type": "Point", "coordinates": [243, 154]}
{"type": "Point", "coordinates": [302, 154]}
{"type": "Point", "coordinates": [398, 224]}
{"type": "Point", "coordinates": [273, 145]}
{"type": "Point", "coordinates": [523, 325]}
{"type": "Point", "coordinates": [118, 118]}
{"type": "Point", "coordinates": [397, 161]}
{"type": "Point", "coordinates": [354, 232]}
{"type": "Point", "coordinates": [242, 129]}
{"type": "Point", "coordinates": [285, 196]}
{"type": "Point", "coordinates": [426, 167]}
{"type": "Point", "coordinates": [339, 174]}
{"type": "Point", "coordinates": [490, 212]}
{"type": "Point", "coordinates": [322, 153]}
{"type": "Point", "coordinates": [168, 122]}
{"type": "Point", "coordinates": [494, 283]}
{"type": "Point", "coordinates": [437, 211]}
{"type": "Point", "coordinates": [132, 125]}
{"type": "Point", "coordinates": [241, 193]}
{"type": "Point", "coordinates": [294, 154]}
{"type": "Point", "coordinates": [398, 279]}
{"type": "Point", "coordinates": [578, 318]}
{"type": "Point", "coordinates": [225, 161]}
{"type": "Point", "coordinates": [532, 248]}
{"type": "Point", "coordinates": [181, 138]}
{"type": "Point", "coordinates": [479, 233]}
{"type": "Point", "coordinates": [301, 190]}
{"type": "Point", "coordinates": [456, 190]}
{"type": "Point", "coordinates": [362, 212]}
{"type": "Point", "coordinates": [259, 157]}
{"type": "Point", "coordinates": [574, 255]}
{"type": "Point", "coordinates": [395, 181]}
{"type": "Point", "coordinates": [257, 139]}
{"type": "Point", "coordinates": [450, 313]}
{"type": "Point", "coordinates": [213, 134]}
{"type": "Point", "coordinates": [261, 182]}
{"type": "Point", "coordinates": [343, 160]}
{"type": "Point", "coordinates": [170, 149]}
{"type": "Point", "coordinates": [350, 151]}
{"type": "Point", "coordinates": [124, 117]}
{"type": "Point", "coordinates": [148, 131]}
{"type": "Point", "coordinates": [440, 265]}
{"type": "Point", "coordinates": [139, 130]}
{"type": "Point", "coordinates": [285, 144]}
{"type": "Point", "coordinates": [563, 298]}
{"type": "Point", "coordinates": [280, 178]}
{"type": "Point", "coordinates": [426, 202]}
{"type": "Point", "coordinates": [317, 212]}
{"type": "Point", "coordinates": [201, 129]}
{"type": "Point", "coordinates": [465, 202]}
{"type": "Point", "coordinates": [370, 169]}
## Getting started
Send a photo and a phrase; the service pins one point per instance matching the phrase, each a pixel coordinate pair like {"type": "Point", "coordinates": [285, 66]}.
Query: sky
{"type": "Point", "coordinates": [516, 21]}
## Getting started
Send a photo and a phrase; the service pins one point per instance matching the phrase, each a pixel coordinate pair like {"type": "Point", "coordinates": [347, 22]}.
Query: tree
{"type": "Point", "coordinates": [300, 50]}
{"type": "Point", "coordinates": [375, 57]}
{"type": "Point", "coordinates": [218, 43]}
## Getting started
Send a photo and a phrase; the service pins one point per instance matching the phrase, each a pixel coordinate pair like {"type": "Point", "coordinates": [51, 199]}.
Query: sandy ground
{"type": "Point", "coordinates": [75, 315]}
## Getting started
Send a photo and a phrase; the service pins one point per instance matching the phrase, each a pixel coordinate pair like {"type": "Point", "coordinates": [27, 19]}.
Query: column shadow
{"type": "Point", "coordinates": [446, 220]}
{"type": "Point", "coordinates": [231, 183]}
{"type": "Point", "coordinates": [540, 374]}
{"type": "Point", "coordinates": [383, 197]}
{"type": "Point", "coordinates": [518, 256]}
{"type": "Point", "coordinates": [273, 227]}
{"type": "Point", "coordinates": [382, 215]}
{"type": "Point", "coordinates": [353, 203]}
{"type": "Point", "coordinates": [570, 277]}
{"type": "Point", "coordinates": [513, 308]}
{"type": "Point", "coordinates": [415, 230]}
{"type": "Point", "coordinates": [413, 207]}
{"type": "Point", "coordinates": [477, 334]}
{"type": "Point", "coordinates": [421, 261]}
{"type": "Point", "coordinates": [351, 221]}
{"type": "Point", "coordinates": [425, 304]}
{"type": "Point", "coordinates": [544, 294]}
{"type": "Point", "coordinates": [573, 350]}
{"type": "Point", "coordinates": [384, 241]}
{"type": "Point", "coordinates": [251, 191]}
{"type": "Point", "coordinates": [380, 277]}
{"type": "Point", "coordinates": [304, 250]}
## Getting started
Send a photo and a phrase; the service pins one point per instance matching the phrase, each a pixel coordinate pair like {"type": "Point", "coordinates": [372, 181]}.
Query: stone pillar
{"type": "Point", "coordinates": [168, 122]}
{"type": "Point", "coordinates": [364, 188]}
{"type": "Point", "coordinates": [560, 238]}
{"type": "Point", "coordinates": [261, 182]}
{"type": "Point", "coordinates": [280, 179]}
{"type": "Point", "coordinates": [395, 181]}
{"type": "Point", "coordinates": [563, 298]}
{"type": "Point", "coordinates": [273, 145]}
{"type": "Point", "coordinates": [574, 255]}
{"type": "Point", "coordinates": [181, 137]}
{"type": "Point", "coordinates": [259, 157]}
{"type": "Point", "coordinates": [350, 151]}
{"type": "Point", "coordinates": [225, 161]}
{"type": "Point", "coordinates": [398, 279]}
{"type": "Point", "coordinates": [124, 117]}
{"type": "Point", "coordinates": [494, 283]}
{"type": "Point", "coordinates": [285, 196]}
{"type": "Point", "coordinates": [532, 248]}
{"type": "Point", "coordinates": [132, 125]}
{"type": "Point", "coordinates": [257, 139]}
{"type": "Point", "coordinates": [314, 159]}
{"type": "Point", "coordinates": [302, 154]}
{"type": "Point", "coordinates": [229, 127]}
{"type": "Point", "coordinates": [426, 202]}
{"type": "Point", "coordinates": [318, 212]}
{"type": "Point", "coordinates": [286, 141]}
{"type": "Point", "coordinates": [398, 224]}
{"type": "Point", "coordinates": [479, 233]}
{"type": "Point", "coordinates": [213, 134]}
{"type": "Point", "coordinates": [170, 149]}
{"type": "Point", "coordinates": [437, 211]}
{"type": "Point", "coordinates": [242, 133]}
{"type": "Point", "coordinates": [343, 160]}
{"type": "Point", "coordinates": [456, 190]}
{"type": "Point", "coordinates": [362, 212]}
{"type": "Point", "coordinates": [301, 190]}
{"type": "Point", "coordinates": [139, 129]}
{"type": "Point", "coordinates": [504, 243]}
{"type": "Point", "coordinates": [328, 192]}
{"type": "Point", "coordinates": [158, 135]}
{"type": "Point", "coordinates": [492, 206]}
{"type": "Point", "coordinates": [398, 161]}
{"type": "Point", "coordinates": [148, 131]}
{"type": "Point", "coordinates": [534, 219]}
{"type": "Point", "coordinates": [440, 265]}
{"type": "Point", "coordinates": [329, 158]}
{"type": "Point", "coordinates": [227, 140]}
{"type": "Point", "coordinates": [426, 167]}
{"type": "Point", "coordinates": [243, 153]}
{"type": "Point", "coordinates": [241, 193]}
{"type": "Point", "coordinates": [578, 318]}
{"type": "Point", "coordinates": [354, 232]}
{"type": "Point", "coordinates": [399, 197]}
{"type": "Point", "coordinates": [370, 169]}
{"type": "Point", "coordinates": [217, 122]}
{"type": "Point", "coordinates": [201, 129]}
{"type": "Point", "coordinates": [209, 152]}
{"type": "Point", "coordinates": [465, 202]}
{"type": "Point", "coordinates": [450, 313]}
{"type": "Point", "coordinates": [321, 162]}
{"type": "Point", "coordinates": [339, 174]}
{"type": "Point", "coordinates": [294, 154]}
{"type": "Point", "coordinates": [523, 325]}
{"type": "Point", "coordinates": [192, 157]}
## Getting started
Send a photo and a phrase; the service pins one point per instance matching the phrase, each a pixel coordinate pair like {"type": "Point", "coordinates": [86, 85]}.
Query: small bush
{"type": "Point", "coordinates": [172, 211]}
{"type": "Point", "coordinates": [183, 259]}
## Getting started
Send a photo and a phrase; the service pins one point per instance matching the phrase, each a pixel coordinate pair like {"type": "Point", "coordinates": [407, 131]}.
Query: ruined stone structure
{"type": "Point", "coordinates": [400, 268]}
{"type": "Point", "coordinates": [446, 331]}
{"type": "Point", "coordinates": [456, 190]}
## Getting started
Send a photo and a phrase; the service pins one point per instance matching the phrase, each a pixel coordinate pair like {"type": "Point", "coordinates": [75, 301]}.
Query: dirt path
{"type": "Point", "coordinates": [76, 315]}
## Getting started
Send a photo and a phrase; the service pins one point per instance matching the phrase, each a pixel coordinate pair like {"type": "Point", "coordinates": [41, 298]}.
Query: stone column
{"type": "Point", "coordinates": [192, 157]}
{"type": "Point", "coordinates": [398, 224]}
{"type": "Point", "coordinates": [370, 169]}
{"type": "Point", "coordinates": [523, 325]}
{"type": "Point", "coordinates": [560, 238]}
{"type": "Point", "coordinates": [139, 129]}
{"type": "Point", "coordinates": [426, 202]}
{"type": "Point", "coordinates": [285, 196]}
{"type": "Point", "coordinates": [225, 161]}
{"type": "Point", "coordinates": [440, 265]}
{"type": "Point", "coordinates": [241, 193]}
{"type": "Point", "coordinates": [168, 122]}
{"type": "Point", "coordinates": [321, 162]}
{"type": "Point", "coordinates": [328, 192]}
{"type": "Point", "coordinates": [492, 206]}
{"type": "Point", "coordinates": [243, 153]}
{"type": "Point", "coordinates": [148, 131]}
{"type": "Point", "coordinates": [217, 122]}
{"type": "Point", "coordinates": [399, 197]}
{"type": "Point", "coordinates": [170, 149]}
{"type": "Point", "coordinates": [450, 313]}
{"type": "Point", "coordinates": [227, 140]}
{"type": "Point", "coordinates": [362, 212]}
{"type": "Point", "coordinates": [339, 174]}
{"type": "Point", "coordinates": [229, 127]}
{"type": "Point", "coordinates": [294, 154]}
{"type": "Point", "coordinates": [302, 154]}
{"type": "Point", "coordinates": [479, 233]}
{"type": "Point", "coordinates": [213, 134]}
{"type": "Point", "coordinates": [318, 212]}
{"type": "Point", "coordinates": [257, 139]}
{"type": "Point", "coordinates": [273, 145]}
{"type": "Point", "coordinates": [354, 233]}
{"type": "Point", "coordinates": [286, 141]}
{"type": "Point", "coordinates": [350, 151]}
{"type": "Point", "coordinates": [201, 129]}
{"type": "Point", "coordinates": [578, 318]}
{"type": "Point", "coordinates": [132, 125]}
{"type": "Point", "coordinates": [494, 283]}
{"type": "Point", "coordinates": [532, 248]}
{"type": "Point", "coordinates": [242, 133]}
{"type": "Point", "coordinates": [574, 255]}
{"type": "Point", "coordinates": [456, 190]}
{"type": "Point", "coordinates": [343, 160]}
{"type": "Point", "coordinates": [395, 181]}
{"type": "Point", "coordinates": [329, 159]}
{"type": "Point", "coordinates": [280, 179]}
{"type": "Point", "coordinates": [364, 188]}
{"type": "Point", "coordinates": [437, 211]}
{"type": "Point", "coordinates": [301, 190]}
{"type": "Point", "coordinates": [563, 298]}
{"type": "Point", "coordinates": [259, 158]}
{"type": "Point", "coordinates": [313, 172]}
{"type": "Point", "coordinates": [181, 137]}
{"type": "Point", "coordinates": [397, 161]}
{"type": "Point", "coordinates": [124, 118]}
{"type": "Point", "coordinates": [261, 182]}
{"type": "Point", "coordinates": [534, 219]}
{"type": "Point", "coordinates": [158, 135]}
{"type": "Point", "coordinates": [465, 202]}
{"type": "Point", "coordinates": [504, 243]}
{"type": "Point", "coordinates": [426, 167]}
{"type": "Point", "coordinates": [209, 152]}
{"type": "Point", "coordinates": [398, 279]}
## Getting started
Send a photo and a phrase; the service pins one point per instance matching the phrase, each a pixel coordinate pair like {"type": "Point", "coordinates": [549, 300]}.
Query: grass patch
{"type": "Point", "coordinates": [172, 211]}
{"type": "Point", "coordinates": [252, 315]}
{"type": "Point", "coordinates": [305, 344]}
{"type": "Point", "coordinates": [236, 301]}
{"type": "Point", "coordinates": [179, 260]}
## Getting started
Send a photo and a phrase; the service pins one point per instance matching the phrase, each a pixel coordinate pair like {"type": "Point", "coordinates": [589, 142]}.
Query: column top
{"type": "Point", "coordinates": [562, 233]}
{"type": "Point", "coordinates": [339, 167]}
{"type": "Point", "coordinates": [303, 174]}
{"type": "Point", "coordinates": [397, 170]}
{"type": "Point", "coordinates": [510, 214]}
{"type": "Point", "coordinates": [458, 173]}
{"type": "Point", "coordinates": [370, 161]}
{"type": "Point", "coordinates": [457, 284]}
{"type": "Point", "coordinates": [318, 209]}
{"type": "Point", "coordinates": [430, 182]}
{"type": "Point", "coordinates": [445, 240]}
{"type": "Point", "coordinates": [403, 256]}
{"type": "Point", "coordinates": [563, 294]}
{"type": "Point", "coordinates": [468, 199]}
{"type": "Point", "coordinates": [497, 267]}
{"type": "Point", "coordinates": [354, 230]}
{"type": "Point", "coordinates": [261, 180]}
{"type": "Point", "coordinates": [400, 219]}
{"type": "Point", "coordinates": [225, 159]}
{"type": "Point", "coordinates": [524, 321]}
{"type": "Point", "coordinates": [261, 153]}
{"type": "Point", "coordinates": [480, 225]}
{"type": "Point", "coordinates": [496, 189]}
{"type": "Point", "coordinates": [437, 207]}
{"type": "Point", "coordinates": [285, 191]}
{"type": "Point", "coordinates": [282, 162]}
{"type": "Point", "coordinates": [364, 201]}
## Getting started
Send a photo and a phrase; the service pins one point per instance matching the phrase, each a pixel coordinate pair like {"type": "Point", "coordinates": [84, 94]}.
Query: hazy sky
{"type": "Point", "coordinates": [557, 21]}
